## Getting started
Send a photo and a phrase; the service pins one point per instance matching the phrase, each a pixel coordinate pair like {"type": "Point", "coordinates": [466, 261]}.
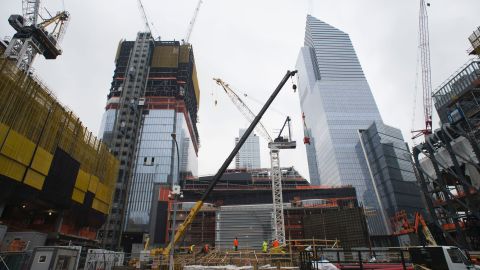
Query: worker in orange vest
{"type": "Point", "coordinates": [275, 243]}
{"type": "Point", "coordinates": [235, 244]}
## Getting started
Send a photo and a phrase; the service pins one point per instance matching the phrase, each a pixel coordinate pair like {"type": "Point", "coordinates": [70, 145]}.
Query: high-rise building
{"type": "Point", "coordinates": [312, 162]}
{"type": "Point", "coordinates": [154, 94]}
{"type": "Point", "coordinates": [249, 155]}
{"type": "Point", "coordinates": [335, 93]}
{"type": "Point", "coordinates": [392, 178]}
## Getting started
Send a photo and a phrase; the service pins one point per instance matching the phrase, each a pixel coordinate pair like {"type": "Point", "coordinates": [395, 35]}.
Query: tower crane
{"type": "Point", "coordinates": [145, 17]}
{"type": "Point", "coordinates": [424, 47]}
{"type": "Point", "coordinates": [192, 22]}
{"type": "Point", "coordinates": [198, 205]}
{"type": "Point", "coordinates": [274, 145]}
{"type": "Point", "coordinates": [35, 37]}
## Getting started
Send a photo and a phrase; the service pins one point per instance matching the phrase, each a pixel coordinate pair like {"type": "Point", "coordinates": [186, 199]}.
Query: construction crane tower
{"type": "Point", "coordinates": [424, 47]}
{"type": "Point", "coordinates": [274, 145]}
{"type": "Point", "coordinates": [35, 35]}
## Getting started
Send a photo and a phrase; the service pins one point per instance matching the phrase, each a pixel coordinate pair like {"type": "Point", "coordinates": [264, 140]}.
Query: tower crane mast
{"type": "Point", "coordinates": [424, 47]}
{"type": "Point", "coordinates": [275, 146]}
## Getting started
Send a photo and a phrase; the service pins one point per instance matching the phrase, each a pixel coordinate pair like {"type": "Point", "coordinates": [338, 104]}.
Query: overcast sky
{"type": "Point", "coordinates": [251, 44]}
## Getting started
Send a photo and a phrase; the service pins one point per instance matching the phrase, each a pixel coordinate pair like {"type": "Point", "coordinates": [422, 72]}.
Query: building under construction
{"type": "Point", "coordinates": [241, 206]}
{"type": "Point", "coordinates": [56, 178]}
{"type": "Point", "coordinates": [448, 162]}
{"type": "Point", "coordinates": [150, 125]}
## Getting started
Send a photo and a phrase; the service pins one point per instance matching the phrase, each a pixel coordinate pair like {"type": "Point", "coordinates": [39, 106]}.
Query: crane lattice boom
{"type": "Point", "coordinates": [192, 22]}
{"type": "Point", "coordinates": [424, 47]}
{"type": "Point", "coordinates": [243, 108]}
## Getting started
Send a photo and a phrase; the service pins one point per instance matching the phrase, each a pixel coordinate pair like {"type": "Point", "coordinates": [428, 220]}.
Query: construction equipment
{"type": "Point", "coordinates": [198, 205]}
{"type": "Point", "coordinates": [424, 47]}
{"type": "Point", "coordinates": [440, 258]}
{"type": "Point", "coordinates": [274, 146]}
{"type": "Point", "coordinates": [33, 37]}
{"type": "Point", "coordinates": [306, 133]}
{"type": "Point", "coordinates": [145, 18]}
{"type": "Point", "coordinates": [192, 22]}
{"type": "Point", "coordinates": [403, 226]}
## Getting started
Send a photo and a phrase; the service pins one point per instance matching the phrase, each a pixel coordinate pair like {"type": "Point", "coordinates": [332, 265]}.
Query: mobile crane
{"type": "Point", "coordinates": [198, 205]}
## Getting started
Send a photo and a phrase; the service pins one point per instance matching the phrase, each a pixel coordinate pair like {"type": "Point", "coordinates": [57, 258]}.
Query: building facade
{"type": "Point", "coordinates": [347, 131]}
{"type": "Point", "coordinates": [392, 178]}
{"type": "Point", "coordinates": [249, 155]}
{"type": "Point", "coordinates": [56, 178]}
{"type": "Point", "coordinates": [154, 94]}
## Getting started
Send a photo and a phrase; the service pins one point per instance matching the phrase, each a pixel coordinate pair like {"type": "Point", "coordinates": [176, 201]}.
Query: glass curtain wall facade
{"type": "Point", "coordinates": [391, 172]}
{"type": "Point", "coordinates": [154, 94]}
{"type": "Point", "coordinates": [352, 145]}
{"type": "Point", "coordinates": [249, 155]}
{"type": "Point", "coordinates": [335, 93]}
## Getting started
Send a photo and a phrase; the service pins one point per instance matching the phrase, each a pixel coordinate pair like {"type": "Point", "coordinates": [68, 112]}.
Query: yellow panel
{"type": "Point", "coordinates": [78, 195]}
{"type": "Point", "coordinates": [18, 147]}
{"type": "Point", "coordinates": [34, 179]}
{"type": "Point", "coordinates": [42, 161]}
{"type": "Point", "coordinates": [100, 206]}
{"type": "Point", "coordinates": [165, 56]}
{"type": "Point", "coordinates": [196, 88]}
{"type": "Point", "coordinates": [3, 132]}
{"type": "Point", "coordinates": [184, 54]}
{"type": "Point", "coordinates": [93, 184]}
{"type": "Point", "coordinates": [102, 193]}
{"type": "Point", "coordinates": [82, 181]}
{"type": "Point", "coordinates": [11, 168]}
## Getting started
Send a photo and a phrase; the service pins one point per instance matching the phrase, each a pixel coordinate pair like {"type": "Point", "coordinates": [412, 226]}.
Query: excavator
{"type": "Point", "coordinates": [198, 205]}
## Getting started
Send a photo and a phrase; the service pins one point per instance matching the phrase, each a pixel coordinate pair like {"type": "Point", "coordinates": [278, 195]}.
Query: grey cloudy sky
{"type": "Point", "coordinates": [250, 44]}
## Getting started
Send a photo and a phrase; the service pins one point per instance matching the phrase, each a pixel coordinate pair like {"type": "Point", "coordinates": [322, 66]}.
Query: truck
{"type": "Point", "coordinates": [440, 258]}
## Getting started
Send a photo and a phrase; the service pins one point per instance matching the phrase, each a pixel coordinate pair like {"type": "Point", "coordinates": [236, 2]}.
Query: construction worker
{"type": "Point", "coordinates": [264, 246]}
{"type": "Point", "coordinates": [206, 248]}
{"type": "Point", "coordinates": [275, 243]}
{"type": "Point", "coordinates": [235, 244]}
{"type": "Point", "coordinates": [191, 249]}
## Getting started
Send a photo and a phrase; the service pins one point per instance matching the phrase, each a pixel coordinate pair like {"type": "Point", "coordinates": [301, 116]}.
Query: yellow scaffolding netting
{"type": "Point", "coordinates": [33, 124]}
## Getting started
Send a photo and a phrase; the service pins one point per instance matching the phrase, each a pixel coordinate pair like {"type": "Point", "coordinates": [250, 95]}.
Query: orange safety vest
{"type": "Point", "coordinates": [235, 243]}
{"type": "Point", "coordinates": [275, 243]}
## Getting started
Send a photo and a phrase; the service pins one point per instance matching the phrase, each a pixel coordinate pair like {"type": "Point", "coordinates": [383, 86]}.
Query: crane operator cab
{"type": "Point", "coordinates": [440, 258]}
{"type": "Point", "coordinates": [283, 142]}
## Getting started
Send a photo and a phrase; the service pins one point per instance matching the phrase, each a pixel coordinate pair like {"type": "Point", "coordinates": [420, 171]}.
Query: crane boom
{"type": "Point", "coordinates": [424, 47]}
{"type": "Point", "coordinates": [198, 205]}
{"type": "Point", "coordinates": [192, 22]}
{"type": "Point", "coordinates": [243, 108]}
{"type": "Point", "coordinates": [145, 17]}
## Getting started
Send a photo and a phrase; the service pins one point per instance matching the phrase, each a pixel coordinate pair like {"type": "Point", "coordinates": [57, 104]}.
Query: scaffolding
{"type": "Point", "coordinates": [29, 110]}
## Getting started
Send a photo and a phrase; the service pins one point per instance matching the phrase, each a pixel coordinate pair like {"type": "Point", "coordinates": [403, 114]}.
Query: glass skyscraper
{"type": "Point", "coordinates": [249, 155]}
{"type": "Point", "coordinates": [338, 105]}
{"type": "Point", "coordinates": [154, 94]}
